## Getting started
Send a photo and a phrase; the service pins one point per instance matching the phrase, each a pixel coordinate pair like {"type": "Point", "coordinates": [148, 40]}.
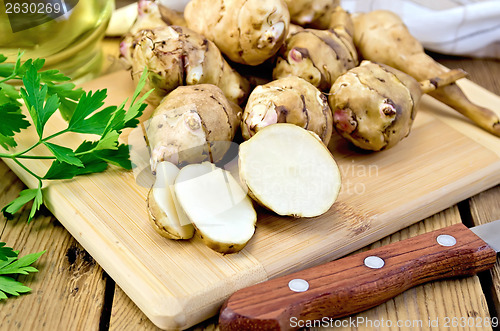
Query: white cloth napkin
{"type": "Point", "coordinates": [459, 27]}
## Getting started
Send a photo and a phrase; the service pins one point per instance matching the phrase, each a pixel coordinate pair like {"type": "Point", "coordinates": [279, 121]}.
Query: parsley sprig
{"type": "Point", "coordinates": [85, 114]}
{"type": "Point", "coordinates": [56, 82]}
{"type": "Point", "coordinates": [10, 265]}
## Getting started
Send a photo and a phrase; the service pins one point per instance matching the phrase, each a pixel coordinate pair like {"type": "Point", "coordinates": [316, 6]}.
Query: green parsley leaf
{"type": "Point", "coordinates": [68, 97]}
{"type": "Point", "coordinates": [14, 265]}
{"type": "Point", "coordinates": [44, 95]}
{"type": "Point", "coordinates": [87, 105]}
{"type": "Point", "coordinates": [11, 122]}
{"type": "Point", "coordinates": [64, 154]}
{"type": "Point", "coordinates": [12, 287]}
{"type": "Point", "coordinates": [117, 120]}
{"type": "Point", "coordinates": [21, 265]}
{"type": "Point", "coordinates": [9, 94]}
{"type": "Point", "coordinates": [37, 203]}
{"type": "Point", "coordinates": [6, 69]}
{"type": "Point", "coordinates": [34, 97]}
{"type": "Point", "coordinates": [119, 157]}
{"type": "Point", "coordinates": [7, 142]}
{"type": "Point", "coordinates": [96, 123]}
{"type": "Point", "coordinates": [6, 252]}
{"type": "Point", "coordinates": [137, 108]}
{"type": "Point", "coordinates": [51, 76]}
{"type": "Point", "coordinates": [92, 164]}
{"type": "Point", "coordinates": [15, 205]}
{"type": "Point", "coordinates": [108, 141]}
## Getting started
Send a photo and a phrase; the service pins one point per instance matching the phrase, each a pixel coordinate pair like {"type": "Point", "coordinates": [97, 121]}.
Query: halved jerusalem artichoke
{"type": "Point", "coordinates": [168, 220]}
{"type": "Point", "coordinates": [288, 170]}
{"type": "Point", "coordinates": [218, 207]}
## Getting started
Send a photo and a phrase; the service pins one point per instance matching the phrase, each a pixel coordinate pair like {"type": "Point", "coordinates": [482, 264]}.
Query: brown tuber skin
{"type": "Point", "coordinates": [148, 17]}
{"type": "Point", "coordinates": [288, 100]}
{"type": "Point", "coordinates": [375, 105]}
{"type": "Point", "coordinates": [312, 13]}
{"type": "Point", "coordinates": [246, 31]}
{"type": "Point", "coordinates": [319, 56]}
{"type": "Point", "coordinates": [381, 36]}
{"type": "Point", "coordinates": [365, 115]}
{"type": "Point", "coordinates": [177, 56]}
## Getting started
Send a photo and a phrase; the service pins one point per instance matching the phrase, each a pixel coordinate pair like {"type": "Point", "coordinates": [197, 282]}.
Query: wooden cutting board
{"type": "Point", "coordinates": [445, 159]}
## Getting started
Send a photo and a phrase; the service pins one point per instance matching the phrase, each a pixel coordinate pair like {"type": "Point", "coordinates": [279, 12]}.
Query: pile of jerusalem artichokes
{"type": "Point", "coordinates": [283, 76]}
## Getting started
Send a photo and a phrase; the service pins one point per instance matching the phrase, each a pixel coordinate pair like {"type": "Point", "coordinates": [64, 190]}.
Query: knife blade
{"type": "Point", "coordinates": [362, 281]}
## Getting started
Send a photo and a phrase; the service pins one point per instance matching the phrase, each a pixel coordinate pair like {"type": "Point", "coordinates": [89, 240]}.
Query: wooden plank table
{"type": "Point", "coordinates": [72, 292]}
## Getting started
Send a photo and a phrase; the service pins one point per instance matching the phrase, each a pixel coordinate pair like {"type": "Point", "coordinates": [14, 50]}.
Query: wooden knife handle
{"type": "Point", "coordinates": [347, 286]}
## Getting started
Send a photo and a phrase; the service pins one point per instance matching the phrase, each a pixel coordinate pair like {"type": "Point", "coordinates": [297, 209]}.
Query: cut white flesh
{"type": "Point", "coordinates": [289, 171]}
{"type": "Point", "coordinates": [167, 217]}
{"type": "Point", "coordinates": [217, 206]}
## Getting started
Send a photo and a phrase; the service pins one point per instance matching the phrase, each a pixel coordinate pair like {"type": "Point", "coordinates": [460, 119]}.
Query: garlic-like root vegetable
{"type": "Point", "coordinates": [319, 56]}
{"type": "Point", "coordinates": [312, 13]}
{"type": "Point", "coordinates": [166, 215]}
{"type": "Point", "coordinates": [289, 170]}
{"type": "Point", "coordinates": [374, 105]}
{"type": "Point", "coordinates": [176, 56]}
{"type": "Point", "coordinates": [171, 16]}
{"type": "Point", "coordinates": [293, 29]}
{"type": "Point", "coordinates": [246, 31]}
{"type": "Point", "coordinates": [191, 125]}
{"type": "Point", "coordinates": [148, 17]}
{"type": "Point", "coordinates": [288, 100]}
{"type": "Point", "coordinates": [217, 206]}
{"type": "Point", "coordinates": [381, 36]}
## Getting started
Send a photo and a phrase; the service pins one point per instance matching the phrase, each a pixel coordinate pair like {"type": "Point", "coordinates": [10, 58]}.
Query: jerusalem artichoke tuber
{"type": "Point", "coordinates": [246, 31]}
{"type": "Point", "coordinates": [177, 56]}
{"type": "Point", "coordinates": [288, 100]}
{"type": "Point", "coordinates": [374, 105]}
{"type": "Point", "coordinates": [192, 124]}
{"type": "Point", "coordinates": [312, 13]}
{"type": "Point", "coordinates": [381, 36]}
{"type": "Point", "coordinates": [319, 56]}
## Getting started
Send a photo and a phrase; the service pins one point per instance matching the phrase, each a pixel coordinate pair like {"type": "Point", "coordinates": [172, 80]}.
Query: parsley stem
{"type": "Point", "coordinates": [54, 135]}
{"type": "Point", "coordinates": [12, 76]}
{"type": "Point", "coordinates": [28, 171]}
{"type": "Point", "coordinates": [41, 141]}
{"type": "Point", "coordinates": [38, 157]}
{"type": "Point", "coordinates": [20, 154]}
{"type": "Point", "coordinates": [34, 157]}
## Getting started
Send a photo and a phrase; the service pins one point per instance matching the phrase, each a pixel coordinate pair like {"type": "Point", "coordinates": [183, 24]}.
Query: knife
{"type": "Point", "coordinates": [362, 281]}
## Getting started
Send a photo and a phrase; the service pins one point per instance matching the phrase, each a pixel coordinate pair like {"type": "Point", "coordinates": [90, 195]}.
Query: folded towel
{"type": "Point", "coordinates": [458, 27]}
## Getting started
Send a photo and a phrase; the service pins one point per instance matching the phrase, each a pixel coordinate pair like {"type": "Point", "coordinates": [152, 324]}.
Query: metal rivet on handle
{"type": "Point", "coordinates": [446, 240]}
{"type": "Point", "coordinates": [298, 285]}
{"type": "Point", "coordinates": [374, 262]}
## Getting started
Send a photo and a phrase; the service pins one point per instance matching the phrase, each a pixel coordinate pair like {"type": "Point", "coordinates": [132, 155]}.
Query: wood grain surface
{"type": "Point", "coordinates": [68, 291]}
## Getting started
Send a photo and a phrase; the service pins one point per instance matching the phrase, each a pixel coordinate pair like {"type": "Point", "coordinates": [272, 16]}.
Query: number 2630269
{"type": "Point", "coordinates": [33, 8]}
